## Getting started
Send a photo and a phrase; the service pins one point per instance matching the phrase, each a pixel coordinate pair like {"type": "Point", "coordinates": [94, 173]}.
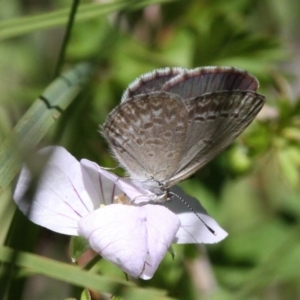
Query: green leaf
{"type": "Point", "coordinates": [85, 295]}
{"type": "Point", "coordinates": [21, 26]}
{"type": "Point", "coordinates": [78, 245]}
{"type": "Point", "coordinates": [38, 119]}
{"type": "Point", "coordinates": [76, 276]}
{"type": "Point", "coordinates": [289, 159]}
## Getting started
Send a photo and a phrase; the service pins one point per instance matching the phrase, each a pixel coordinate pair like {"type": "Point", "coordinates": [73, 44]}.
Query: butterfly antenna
{"type": "Point", "coordinates": [192, 210]}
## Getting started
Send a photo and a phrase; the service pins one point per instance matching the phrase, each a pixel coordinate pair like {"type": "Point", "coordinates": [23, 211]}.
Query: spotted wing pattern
{"type": "Point", "coordinates": [146, 135]}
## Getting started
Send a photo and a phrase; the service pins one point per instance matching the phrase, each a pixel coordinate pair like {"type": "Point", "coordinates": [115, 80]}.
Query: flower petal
{"type": "Point", "coordinates": [134, 238]}
{"type": "Point", "coordinates": [192, 229]}
{"type": "Point", "coordinates": [98, 184]}
{"type": "Point", "coordinates": [104, 181]}
{"type": "Point", "coordinates": [119, 234]}
{"type": "Point", "coordinates": [60, 198]}
{"type": "Point", "coordinates": [162, 226]}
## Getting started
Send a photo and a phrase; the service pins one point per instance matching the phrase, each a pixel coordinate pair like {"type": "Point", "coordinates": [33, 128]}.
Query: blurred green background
{"type": "Point", "coordinates": [251, 189]}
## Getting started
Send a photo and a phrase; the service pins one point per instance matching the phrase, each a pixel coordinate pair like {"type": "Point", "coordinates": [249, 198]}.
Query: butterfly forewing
{"type": "Point", "coordinates": [147, 134]}
{"type": "Point", "coordinates": [215, 120]}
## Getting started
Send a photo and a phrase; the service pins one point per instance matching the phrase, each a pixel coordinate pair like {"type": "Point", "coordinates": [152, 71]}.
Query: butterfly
{"type": "Point", "coordinates": [173, 121]}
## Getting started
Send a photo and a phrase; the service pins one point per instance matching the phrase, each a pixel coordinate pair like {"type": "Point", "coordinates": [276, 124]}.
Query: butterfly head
{"type": "Point", "coordinates": [158, 191]}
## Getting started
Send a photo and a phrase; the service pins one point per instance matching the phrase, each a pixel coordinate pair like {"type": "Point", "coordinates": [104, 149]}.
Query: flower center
{"type": "Point", "coordinates": [121, 199]}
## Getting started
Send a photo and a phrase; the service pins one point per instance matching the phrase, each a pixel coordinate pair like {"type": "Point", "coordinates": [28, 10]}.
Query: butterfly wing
{"type": "Point", "coordinates": [196, 82]}
{"type": "Point", "coordinates": [150, 82]}
{"type": "Point", "coordinates": [147, 133]}
{"type": "Point", "coordinates": [215, 120]}
{"type": "Point", "coordinates": [191, 83]}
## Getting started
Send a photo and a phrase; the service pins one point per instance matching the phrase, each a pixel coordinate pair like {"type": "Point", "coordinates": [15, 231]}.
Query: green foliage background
{"type": "Point", "coordinates": [252, 189]}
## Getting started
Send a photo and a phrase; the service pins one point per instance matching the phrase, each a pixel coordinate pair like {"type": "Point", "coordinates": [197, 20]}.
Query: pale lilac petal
{"type": "Point", "coordinates": [162, 226]}
{"type": "Point", "coordinates": [60, 198]}
{"type": "Point", "coordinates": [119, 234]}
{"type": "Point", "coordinates": [134, 238]}
{"type": "Point", "coordinates": [192, 230]}
{"type": "Point", "coordinates": [98, 184]}
{"type": "Point", "coordinates": [103, 183]}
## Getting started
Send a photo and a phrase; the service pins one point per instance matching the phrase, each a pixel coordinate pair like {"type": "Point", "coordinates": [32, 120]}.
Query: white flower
{"type": "Point", "coordinates": [78, 198]}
